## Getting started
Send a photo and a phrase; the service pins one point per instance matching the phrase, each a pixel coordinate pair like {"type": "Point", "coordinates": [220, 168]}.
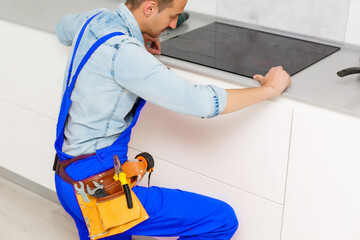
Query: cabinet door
{"type": "Point", "coordinates": [258, 218]}
{"type": "Point", "coordinates": [247, 149]}
{"type": "Point", "coordinates": [27, 144]}
{"type": "Point", "coordinates": [323, 187]}
{"type": "Point", "coordinates": [31, 71]}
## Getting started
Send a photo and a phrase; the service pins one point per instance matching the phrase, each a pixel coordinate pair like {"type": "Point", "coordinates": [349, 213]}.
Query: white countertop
{"type": "Point", "coordinates": [317, 84]}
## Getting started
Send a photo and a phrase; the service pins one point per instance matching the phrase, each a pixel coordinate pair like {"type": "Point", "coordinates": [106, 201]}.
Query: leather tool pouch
{"type": "Point", "coordinates": [109, 215]}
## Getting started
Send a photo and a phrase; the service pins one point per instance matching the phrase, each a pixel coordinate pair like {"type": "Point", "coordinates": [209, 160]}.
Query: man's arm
{"type": "Point", "coordinates": [272, 85]}
{"type": "Point", "coordinates": [142, 74]}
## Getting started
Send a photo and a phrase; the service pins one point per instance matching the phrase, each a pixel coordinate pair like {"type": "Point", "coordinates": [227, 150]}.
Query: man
{"type": "Point", "coordinates": [105, 106]}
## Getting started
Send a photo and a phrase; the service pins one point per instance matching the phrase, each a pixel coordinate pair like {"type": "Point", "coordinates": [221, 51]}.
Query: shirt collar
{"type": "Point", "coordinates": [132, 25]}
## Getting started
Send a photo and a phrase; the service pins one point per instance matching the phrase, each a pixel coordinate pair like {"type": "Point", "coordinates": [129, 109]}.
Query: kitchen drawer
{"type": "Point", "coordinates": [26, 143]}
{"type": "Point", "coordinates": [258, 217]}
{"type": "Point", "coordinates": [323, 186]}
{"type": "Point", "coordinates": [247, 150]}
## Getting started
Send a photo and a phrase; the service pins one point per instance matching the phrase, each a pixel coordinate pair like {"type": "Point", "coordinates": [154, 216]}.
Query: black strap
{"type": "Point", "coordinates": [56, 160]}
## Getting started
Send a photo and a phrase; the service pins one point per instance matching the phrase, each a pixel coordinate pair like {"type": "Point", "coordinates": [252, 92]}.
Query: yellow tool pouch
{"type": "Point", "coordinates": [122, 222]}
{"type": "Point", "coordinates": [110, 215]}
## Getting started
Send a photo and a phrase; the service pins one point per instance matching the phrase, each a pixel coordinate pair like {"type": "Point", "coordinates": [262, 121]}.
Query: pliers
{"type": "Point", "coordinates": [121, 176]}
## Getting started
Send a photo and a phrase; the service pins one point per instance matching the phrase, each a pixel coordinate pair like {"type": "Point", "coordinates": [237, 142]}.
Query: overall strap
{"type": "Point", "coordinates": [66, 101]}
{"type": "Point", "coordinates": [87, 56]}
{"type": "Point", "coordinates": [77, 46]}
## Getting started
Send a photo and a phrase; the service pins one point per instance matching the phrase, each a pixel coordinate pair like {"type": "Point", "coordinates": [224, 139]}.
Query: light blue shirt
{"type": "Point", "coordinates": [119, 72]}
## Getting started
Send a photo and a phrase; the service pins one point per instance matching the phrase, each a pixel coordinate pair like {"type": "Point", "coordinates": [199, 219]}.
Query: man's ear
{"type": "Point", "coordinates": [150, 7]}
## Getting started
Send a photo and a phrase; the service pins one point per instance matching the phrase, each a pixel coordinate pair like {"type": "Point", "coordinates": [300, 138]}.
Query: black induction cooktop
{"type": "Point", "coordinates": [244, 51]}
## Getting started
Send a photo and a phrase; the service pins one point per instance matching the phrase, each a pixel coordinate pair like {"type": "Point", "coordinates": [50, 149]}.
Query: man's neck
{"type": "Point", "coordinates": [137, 15]}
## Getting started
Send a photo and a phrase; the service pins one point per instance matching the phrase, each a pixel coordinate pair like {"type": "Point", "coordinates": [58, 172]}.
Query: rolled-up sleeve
{"type": "Point", "coordinates": [141, 73]}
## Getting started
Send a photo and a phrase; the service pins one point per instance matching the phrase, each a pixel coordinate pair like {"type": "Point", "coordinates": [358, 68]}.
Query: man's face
{"type": "Point", "coordinates": [168, 17]}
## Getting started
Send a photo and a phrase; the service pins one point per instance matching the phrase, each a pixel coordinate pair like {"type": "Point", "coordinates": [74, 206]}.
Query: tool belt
{"type": "Point", "coordinates": [108, 207]}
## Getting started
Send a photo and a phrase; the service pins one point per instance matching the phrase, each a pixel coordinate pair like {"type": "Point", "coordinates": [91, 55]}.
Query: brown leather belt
{"type": "Point", "coordinates": [60, 166]}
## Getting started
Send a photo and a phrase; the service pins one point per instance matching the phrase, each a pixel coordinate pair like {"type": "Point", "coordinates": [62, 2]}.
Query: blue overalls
{"type": "Point", "coordinates": [172, 212]}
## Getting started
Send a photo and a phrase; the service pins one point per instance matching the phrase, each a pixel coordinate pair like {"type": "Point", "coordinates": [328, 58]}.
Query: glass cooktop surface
{"type": "Point", "coordinates": [244, 51]}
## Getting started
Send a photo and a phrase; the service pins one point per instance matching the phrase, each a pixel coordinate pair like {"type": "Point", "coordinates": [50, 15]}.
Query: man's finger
{"type": "Point", "coordinates": [289, 83]}
{"type": "Point", "coordinates": [153, 51]}
{"type": "Point", "coordinates": [258, 77]}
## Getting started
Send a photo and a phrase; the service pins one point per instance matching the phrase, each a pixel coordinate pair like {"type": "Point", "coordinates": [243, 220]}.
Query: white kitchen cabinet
{"type": "Point", "coordinates": [26, 143]}
{"type": "Point", "coordinates": [247, 150]}
{"type": "Point", "coordinates": [323, 185]}
{"type": "Point", "coordinates": [258, 218]}
{"type": "Point", "coordinates": [32, 68]}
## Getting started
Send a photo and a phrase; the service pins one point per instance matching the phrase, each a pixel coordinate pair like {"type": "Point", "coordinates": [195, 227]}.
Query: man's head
{"type": "Point", "coordinates": [135, 4]}
{"type": "Point", "coordinates": [154, 16]}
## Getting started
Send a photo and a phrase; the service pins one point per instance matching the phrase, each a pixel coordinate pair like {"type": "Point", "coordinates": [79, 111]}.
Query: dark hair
{"type": "Point", "coordinates": [134, 4]}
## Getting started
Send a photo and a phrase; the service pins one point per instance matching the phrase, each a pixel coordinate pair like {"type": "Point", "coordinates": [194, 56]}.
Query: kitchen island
{"type": "Point", "coordinates": [288, 166]}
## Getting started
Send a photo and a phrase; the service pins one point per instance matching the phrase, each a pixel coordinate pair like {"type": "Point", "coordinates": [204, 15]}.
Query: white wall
{"type": "Point", "coordinates": [334, 20]}
{"type": "Point", "coordinates": [353, 26]}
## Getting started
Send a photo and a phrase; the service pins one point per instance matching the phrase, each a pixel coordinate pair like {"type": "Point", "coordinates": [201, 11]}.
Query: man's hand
{"type": "Point", "coordinates": [272, 85]}
{"type": "Point", "coordinates": [277, 78]}
{"type": "Point", "coordinates": [152, 45]}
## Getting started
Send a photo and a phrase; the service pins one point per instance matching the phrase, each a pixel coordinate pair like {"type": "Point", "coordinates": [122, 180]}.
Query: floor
{"type": "Point", "coordinates": [26, 215]}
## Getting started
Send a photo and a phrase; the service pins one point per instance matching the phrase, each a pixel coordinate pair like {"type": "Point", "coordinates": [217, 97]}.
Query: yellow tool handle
{"type": "Point", "coordinates": [123, 181]}
{"type": "Point", "coordinates": [122, 178]}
